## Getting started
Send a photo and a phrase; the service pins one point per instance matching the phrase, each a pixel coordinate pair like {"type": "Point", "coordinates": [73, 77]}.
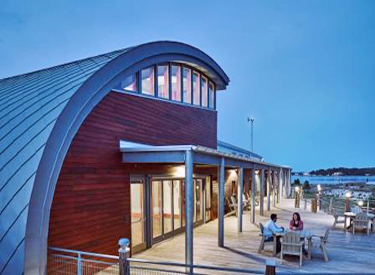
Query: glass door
{"type": "Point", "coordinates": [167, 207]}
{"type": "Point", "coordinates": [156, 209]}
{"type": "Point", "coordinates": [137, 196]}
{"type": "Point", "coordinates": [198, 187]}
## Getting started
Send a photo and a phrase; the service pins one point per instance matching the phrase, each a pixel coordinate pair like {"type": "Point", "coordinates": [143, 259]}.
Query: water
{"type": "Point", "coordinates": [335, 179]}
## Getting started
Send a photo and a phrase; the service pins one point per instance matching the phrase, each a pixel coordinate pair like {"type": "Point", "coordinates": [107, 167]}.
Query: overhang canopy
{"type": "Point", "coordinates": [176, 154]}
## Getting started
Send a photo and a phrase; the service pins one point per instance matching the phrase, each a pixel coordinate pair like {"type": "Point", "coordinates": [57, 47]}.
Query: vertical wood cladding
{"type": "Point", "coordinates": [91, 205]}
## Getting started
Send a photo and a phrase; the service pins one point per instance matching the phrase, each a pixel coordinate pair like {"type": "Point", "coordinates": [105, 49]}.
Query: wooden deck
{"type": "Point", "coordinates": [347, 253]}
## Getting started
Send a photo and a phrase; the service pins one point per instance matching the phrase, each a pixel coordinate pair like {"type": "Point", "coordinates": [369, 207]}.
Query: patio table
{"type": "Point", "coordinates": [304, 234]}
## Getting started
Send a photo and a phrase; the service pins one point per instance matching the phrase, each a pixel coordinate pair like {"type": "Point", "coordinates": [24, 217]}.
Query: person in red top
{"type": "Point", "coordinates": [296, 223]}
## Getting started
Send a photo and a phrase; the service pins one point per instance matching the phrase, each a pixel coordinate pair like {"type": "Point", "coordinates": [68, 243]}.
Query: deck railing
{"type": "Point", "coordinates": [67, 261]}
{"type": "Point", "coordinates": [332, 204]}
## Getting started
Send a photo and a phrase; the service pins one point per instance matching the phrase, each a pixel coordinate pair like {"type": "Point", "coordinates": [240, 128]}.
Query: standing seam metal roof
{"type": "Point", "coordinates": [40, 113]}
{"type": "Point", "coordinates": [29, 107]}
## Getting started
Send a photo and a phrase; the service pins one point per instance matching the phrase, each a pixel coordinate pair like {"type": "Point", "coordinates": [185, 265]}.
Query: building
{"type": "Point", "coordinates": [102, 148]}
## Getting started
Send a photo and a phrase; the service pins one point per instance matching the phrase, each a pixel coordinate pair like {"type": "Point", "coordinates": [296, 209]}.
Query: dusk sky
{"type": "Point", "coordinates": [305, 70]}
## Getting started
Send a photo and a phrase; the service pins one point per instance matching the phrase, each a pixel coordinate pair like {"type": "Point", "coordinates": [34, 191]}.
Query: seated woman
{"type": "Point", "coordinates": [296, 223]}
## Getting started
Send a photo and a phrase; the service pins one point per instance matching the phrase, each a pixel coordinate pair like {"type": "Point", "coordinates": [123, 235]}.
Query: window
{"type": "Point", "coordinates": [163, 81]}
{"type": "Point", "coordinates": [211, 95]}
{"type": "Point", "coordinates": [176, 82]}
{"type": "Point", "coordinates": [204, 89]}
{"type": "Point", "coordinates": [148, 81]}
{"type": "Point", "coordinates": [196, 89]}
{"type": "Point", "coordinates": [172, 81]}
{"type": "Point", "coordinates": [186, 85]}
{"type": "Point", "coordinates": [129, 83]}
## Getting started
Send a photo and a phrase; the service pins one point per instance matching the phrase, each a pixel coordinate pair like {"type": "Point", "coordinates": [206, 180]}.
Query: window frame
{"type": "Point", "coordinates": [182, 66]}
{"type": "Point", "coordinates": [157, 80]}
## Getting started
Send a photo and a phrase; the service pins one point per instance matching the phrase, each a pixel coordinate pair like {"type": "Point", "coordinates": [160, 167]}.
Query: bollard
{"type": "Point", "coordinates": [124, 253]}
{"type": "Point", "coordinates": [330, 205]}
{"type": "Point", "coordinates": [314, 206]}
{"type": "Point", "coordinates": [270, 267]}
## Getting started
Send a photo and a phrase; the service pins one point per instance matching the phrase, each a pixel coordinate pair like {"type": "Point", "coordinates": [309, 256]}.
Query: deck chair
{"type": "Point", "coordinates": [232, 207]}
{"type": "Point", "coordinates": [322, 243]}
{"type": "Point", "coordinates": [362, 221]}
{"type": "Point", "coordinates": [339, 217]}
{"type": "Point", "coordinates": [234, 204]}
{"type": "Point", "coordinates": [264, 240]}
{"type": "Point", "coordinates": [291, 244]}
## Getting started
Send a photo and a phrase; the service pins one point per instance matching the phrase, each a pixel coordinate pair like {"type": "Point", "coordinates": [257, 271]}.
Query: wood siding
{"type": "Point", "coordinates": [91, 205]}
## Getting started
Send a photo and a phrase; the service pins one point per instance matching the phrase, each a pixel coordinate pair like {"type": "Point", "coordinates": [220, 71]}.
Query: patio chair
{"type": "Point", "coordinates": [356, 209]}
{"type": "Point", "coordinates": [291, 244]}
{"type": "Point", "coordinates": [232, 207]}
{"type": "Point", "coordinates": [339, 217]}
{"type": "Point", "coordinates": [264, 240]}
{"type": "Point", "coordinates": [322, 243]}
{"type": "Point", "coordinates": [362, 221]}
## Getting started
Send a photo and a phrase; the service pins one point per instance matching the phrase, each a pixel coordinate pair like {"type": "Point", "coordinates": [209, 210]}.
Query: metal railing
{"type": "Point", "coordinates": [330, 204]}
{"type": "Point", "coordinates": [138, 266]}
{"type": "Point", "coordinates": [67, 261]}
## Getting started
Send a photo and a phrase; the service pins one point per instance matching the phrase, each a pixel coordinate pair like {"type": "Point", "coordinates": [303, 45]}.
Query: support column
{"type": "Point", "coordinates": [239, 196]}
{"type": "Point", "coordinates": [280, 185]}
{"type": "Point", "coordinates": [189, 209]}
{"type": "Point", "coordinates": [261, 193]}
{"type": "Point", "coordinates": [269, 190]}
{"type": "Point", "coordinates": [289, 182]}
{"type": "Point", "coordinates": [274, 188]}
{"type": "Point", "coordinates": [221, 202]}
{"type": "Point", "coordinates": [252, 195]}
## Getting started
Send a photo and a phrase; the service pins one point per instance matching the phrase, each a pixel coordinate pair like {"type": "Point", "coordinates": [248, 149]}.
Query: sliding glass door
{"type": "Point", "coordinates": [137, 195]}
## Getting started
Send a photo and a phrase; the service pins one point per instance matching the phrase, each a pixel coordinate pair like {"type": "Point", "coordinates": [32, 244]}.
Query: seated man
{"type": "Point", "coordinates": [270, 228]}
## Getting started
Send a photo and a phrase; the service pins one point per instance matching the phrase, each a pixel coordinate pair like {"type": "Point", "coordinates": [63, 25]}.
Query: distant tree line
{"type": "Point", "coordinates": [345, 171]}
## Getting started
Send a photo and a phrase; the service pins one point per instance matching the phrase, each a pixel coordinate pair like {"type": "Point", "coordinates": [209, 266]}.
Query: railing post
{"type": "Point", "coordinates": [368, 206]}
{"type": "Point", "coordinates": [79, 264]}
{"type": "Point", "coordinates": [270, 267]}
{"type": "Point", "coordinates": [330, 205]}
{"type": "Point", "coordinates": [124, 252]}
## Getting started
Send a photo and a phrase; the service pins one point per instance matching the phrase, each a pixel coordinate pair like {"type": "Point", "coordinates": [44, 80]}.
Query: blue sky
{"type": "Point", "coordinates": [304, 69]}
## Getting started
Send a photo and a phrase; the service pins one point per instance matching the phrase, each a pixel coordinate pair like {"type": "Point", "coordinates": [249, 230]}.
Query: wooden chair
{"type": "Point", "coordinates": [356, 209]}
{"type": "Point", "coordinates": [322, 243]}
{"type": "Point", "coordinates": [338, 214]}
{"type": "Point", "coordinates": [362, 221]}
{"type": "Point", "coordinates": [291, 244]}
{"type": "Point", "coordinates": [232, 207]}
{"type": "Point", "coordinates": [264, 240]}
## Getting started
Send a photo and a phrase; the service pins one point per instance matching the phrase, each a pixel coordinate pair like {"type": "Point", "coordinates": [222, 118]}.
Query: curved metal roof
{"type": "Point", "coordinates": [40, 112]}
{"type": "Point", "coordinates": [29, 107]}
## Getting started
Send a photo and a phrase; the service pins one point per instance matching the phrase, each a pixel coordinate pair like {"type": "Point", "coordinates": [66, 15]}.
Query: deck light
{"type": "Point", "coordinates": [319, 187]}
{"type": "Point", "coordinates": [297, 189]}
{"type": "Point", "coordinates": [179, 172]}
{"type": "Point", "coordinates": [360, 203]}
{"type": "Point", "coordinates": [348, 194]}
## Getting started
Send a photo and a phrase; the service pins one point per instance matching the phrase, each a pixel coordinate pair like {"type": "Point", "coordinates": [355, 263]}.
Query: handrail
{"type": "Point", "coordinates": [218, 268]}
{"type": "Point", "coordinates": [84, 260]}
{"type": "Point", "coordinates": [84, 253]}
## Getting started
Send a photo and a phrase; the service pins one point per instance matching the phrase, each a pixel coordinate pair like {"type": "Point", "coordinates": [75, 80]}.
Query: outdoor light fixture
{"type": "Point", "coordinates": [179, 172]}
{"type": "Point", "coordinates": [297, 189]}
{"type": "Point", "coordinates": [319, 187]}
{"type": "Point", "coordinates": [347, 195]}
{"type": "Point", "coordinates": [360, 203]}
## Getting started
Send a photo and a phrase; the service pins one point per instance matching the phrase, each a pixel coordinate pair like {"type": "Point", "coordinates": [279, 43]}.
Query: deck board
{"type": "Point", "coordinates": [347, 253]}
